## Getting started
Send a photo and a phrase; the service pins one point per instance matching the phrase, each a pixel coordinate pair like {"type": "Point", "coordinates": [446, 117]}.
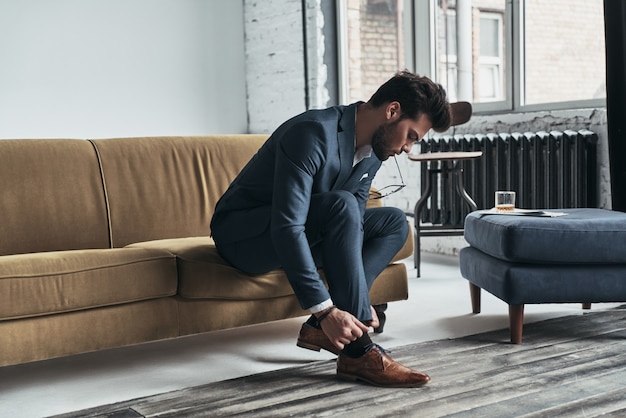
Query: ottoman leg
{"type": "Point", "coordinates": [516, 322]}
{"type": "Point", "coordinates": [475, 296]}
{"type": "Point", "coordinates": [586, 305]}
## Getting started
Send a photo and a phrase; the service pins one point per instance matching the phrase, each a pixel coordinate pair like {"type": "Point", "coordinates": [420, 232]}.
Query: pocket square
{"type": "Point", "coordinates": [364, 176]}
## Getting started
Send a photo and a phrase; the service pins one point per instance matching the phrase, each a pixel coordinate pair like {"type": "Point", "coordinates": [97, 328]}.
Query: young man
{"type": "Point", "coordinates": [299, 205]}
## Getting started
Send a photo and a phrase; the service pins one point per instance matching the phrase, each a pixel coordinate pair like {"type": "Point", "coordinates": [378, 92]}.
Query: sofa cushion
{"type": "Point", "coordinates": [181, 176]}
{"type": "Point", "coordinates": [49, 190]}
{"type": "Point", "coordinates": [581, 236]}
{"type": "Point", "coordinates": [202, 273]}
{"type": "Point", "coordinates": [63, 281]}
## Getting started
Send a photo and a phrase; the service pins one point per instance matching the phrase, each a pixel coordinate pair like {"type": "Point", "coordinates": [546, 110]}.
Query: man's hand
{"type": "Point", "coordinates": [342, 328]}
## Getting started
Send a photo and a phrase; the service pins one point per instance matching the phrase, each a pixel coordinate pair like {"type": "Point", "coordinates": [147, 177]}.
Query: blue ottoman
{"type": "Point", "coordinates": [579, 257]}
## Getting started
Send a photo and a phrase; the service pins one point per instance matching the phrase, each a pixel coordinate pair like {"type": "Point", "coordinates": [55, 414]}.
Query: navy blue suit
{"type": "Point", "coordinates": [299, 205]}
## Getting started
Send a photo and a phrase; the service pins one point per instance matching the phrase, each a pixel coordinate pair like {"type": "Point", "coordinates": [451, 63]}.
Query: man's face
{"type": "Point", "coordinates": [396, 136]}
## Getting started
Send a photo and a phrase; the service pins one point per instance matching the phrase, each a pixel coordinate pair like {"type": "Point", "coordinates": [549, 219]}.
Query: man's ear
{"type": "Point", "coordinates": [393, 111]}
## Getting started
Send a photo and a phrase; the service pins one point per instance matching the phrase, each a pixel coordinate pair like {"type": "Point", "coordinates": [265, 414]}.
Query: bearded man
{"type": "Point", "coordinates": [299, 205]}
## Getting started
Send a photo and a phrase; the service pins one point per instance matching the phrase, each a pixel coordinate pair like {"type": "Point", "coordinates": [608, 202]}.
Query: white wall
{"type": "Point", "coordinates": [106, 68]}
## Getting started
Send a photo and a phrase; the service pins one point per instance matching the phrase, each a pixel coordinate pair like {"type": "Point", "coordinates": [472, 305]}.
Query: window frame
{"type": "Point", "coordinates": [420, 49]}
{"type": "Point", "coordinates": [494, 64]}
{"type": "Point", "coordinates": [518, 26]}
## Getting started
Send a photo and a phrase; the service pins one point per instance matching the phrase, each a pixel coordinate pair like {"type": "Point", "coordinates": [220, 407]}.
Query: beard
{"type": "Point", "coordinates": [380, 141]}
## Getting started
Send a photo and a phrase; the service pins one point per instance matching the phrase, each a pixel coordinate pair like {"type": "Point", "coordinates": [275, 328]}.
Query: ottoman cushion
{"type": "Point", "coordinates": [582, 236]}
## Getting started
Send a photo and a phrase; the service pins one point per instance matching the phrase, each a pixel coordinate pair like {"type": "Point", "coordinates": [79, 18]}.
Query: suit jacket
{"type": "Point", "coordinates": [310, 153]}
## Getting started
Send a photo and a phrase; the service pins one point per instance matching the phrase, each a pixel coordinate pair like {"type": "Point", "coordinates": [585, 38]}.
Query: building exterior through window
{"type": "Point", "coordinates": [510, 53]}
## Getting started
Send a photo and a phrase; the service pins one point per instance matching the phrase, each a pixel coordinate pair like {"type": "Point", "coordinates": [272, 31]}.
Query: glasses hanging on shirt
{"type": "Point", "coordinates": [391, 189]}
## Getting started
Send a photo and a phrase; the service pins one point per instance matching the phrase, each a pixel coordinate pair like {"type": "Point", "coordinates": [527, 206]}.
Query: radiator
{"type": "Point", "coordinates": [547, 170]}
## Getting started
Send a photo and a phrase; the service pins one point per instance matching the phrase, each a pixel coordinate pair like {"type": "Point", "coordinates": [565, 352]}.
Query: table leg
{"type": "Point", "coordinates": [460, 187]}
{"type": "Point", "coordinates": [416, 218]}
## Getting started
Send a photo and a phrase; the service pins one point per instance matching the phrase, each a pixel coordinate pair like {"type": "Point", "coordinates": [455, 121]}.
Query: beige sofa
{"type": "Point", "coordinates": [105, 243]}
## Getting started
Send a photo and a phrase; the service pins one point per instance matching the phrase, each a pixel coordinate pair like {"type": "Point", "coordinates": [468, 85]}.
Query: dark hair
{"type": "Point", "coordinates": [417, 95]}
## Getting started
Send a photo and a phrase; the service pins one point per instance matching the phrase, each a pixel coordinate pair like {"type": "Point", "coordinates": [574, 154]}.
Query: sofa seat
{"type": "Point", "coordinates": [64, 281]}
{"type": "Point", "coordinates": [208, 284]}
{"type": "Point", "coordinates": [105, 243]}
{"type": "Point", "coordinates": [203, 274]}
{"type": "Point", "coordinates": [200, 266]}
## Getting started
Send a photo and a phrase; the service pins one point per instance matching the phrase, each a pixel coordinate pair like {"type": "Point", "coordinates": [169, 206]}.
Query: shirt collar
{"type": "Point", "coordinates": [361, 153]}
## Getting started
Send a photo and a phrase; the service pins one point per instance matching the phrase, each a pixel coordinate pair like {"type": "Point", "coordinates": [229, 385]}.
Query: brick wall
{"type": "Point", "coordinates": [375, 42]}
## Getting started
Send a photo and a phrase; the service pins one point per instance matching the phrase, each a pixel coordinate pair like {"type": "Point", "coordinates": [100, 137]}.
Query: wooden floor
{"type": "Point", "coordinates": [566, 367]}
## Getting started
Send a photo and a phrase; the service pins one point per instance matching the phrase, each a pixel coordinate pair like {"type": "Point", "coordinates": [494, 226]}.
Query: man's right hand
{"type": "Point", "coordinates": [342, 328]}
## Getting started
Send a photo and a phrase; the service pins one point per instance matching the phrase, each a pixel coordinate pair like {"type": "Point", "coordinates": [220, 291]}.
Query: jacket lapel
{"type": "Point", "coordinates": [362, 172]}
{"type": "Point", "coordinates": [345, 139]}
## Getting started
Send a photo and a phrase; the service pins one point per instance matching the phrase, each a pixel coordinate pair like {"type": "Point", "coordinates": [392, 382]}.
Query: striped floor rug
{"type": "Point", "coordinates": [573, 366]}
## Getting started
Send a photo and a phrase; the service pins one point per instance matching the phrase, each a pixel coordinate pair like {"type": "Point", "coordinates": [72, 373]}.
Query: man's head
{"type": "Point", "coordinates": [417, 95]}
{"type": "Point", "coordinates": [410, 105]}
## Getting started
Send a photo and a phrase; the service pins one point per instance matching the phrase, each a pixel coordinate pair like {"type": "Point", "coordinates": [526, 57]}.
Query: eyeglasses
{"type": "Point", "coordinates": [388, 190]}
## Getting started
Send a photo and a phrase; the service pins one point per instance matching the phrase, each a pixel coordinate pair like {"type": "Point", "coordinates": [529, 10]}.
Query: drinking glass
{"type": "Point", "coordinates": [505, 201]}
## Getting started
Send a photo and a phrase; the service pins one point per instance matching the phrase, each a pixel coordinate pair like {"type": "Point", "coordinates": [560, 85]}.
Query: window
{"type": "Point", "coordinates": [374, 45]}
{"type": "Point", "coordinates": [491, 58]}
{"type": "Point", "coordinates": [563, 51]}
{"type": "Point", "coordinates": [471, 50]}
{"type": "Point", "coordinates": [501, 55]}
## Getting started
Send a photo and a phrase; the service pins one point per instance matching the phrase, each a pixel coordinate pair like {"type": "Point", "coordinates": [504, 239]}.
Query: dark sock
{"type": "Point", "coordinates": [312, 321]}
{"type": "Point", "coordinates": [359, 347]}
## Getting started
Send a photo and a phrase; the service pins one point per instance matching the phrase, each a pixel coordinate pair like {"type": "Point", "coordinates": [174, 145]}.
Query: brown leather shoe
{"type": "Point", "coordinates": [315, 339]}
{"type": "Point", "coordinates": [377, 368]}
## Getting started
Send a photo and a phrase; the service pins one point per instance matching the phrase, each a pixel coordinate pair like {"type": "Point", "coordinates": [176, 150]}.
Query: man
{"type": "Point", "coordinates": [299, 205]}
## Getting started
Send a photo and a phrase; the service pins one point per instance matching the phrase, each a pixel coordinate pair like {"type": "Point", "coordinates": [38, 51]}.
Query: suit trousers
{"type": "Point", "coordinates": [351, 249]}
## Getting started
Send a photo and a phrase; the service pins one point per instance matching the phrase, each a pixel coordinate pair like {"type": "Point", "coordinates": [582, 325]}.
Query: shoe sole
{"type": "Point", "coordinates": [353, 378]}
